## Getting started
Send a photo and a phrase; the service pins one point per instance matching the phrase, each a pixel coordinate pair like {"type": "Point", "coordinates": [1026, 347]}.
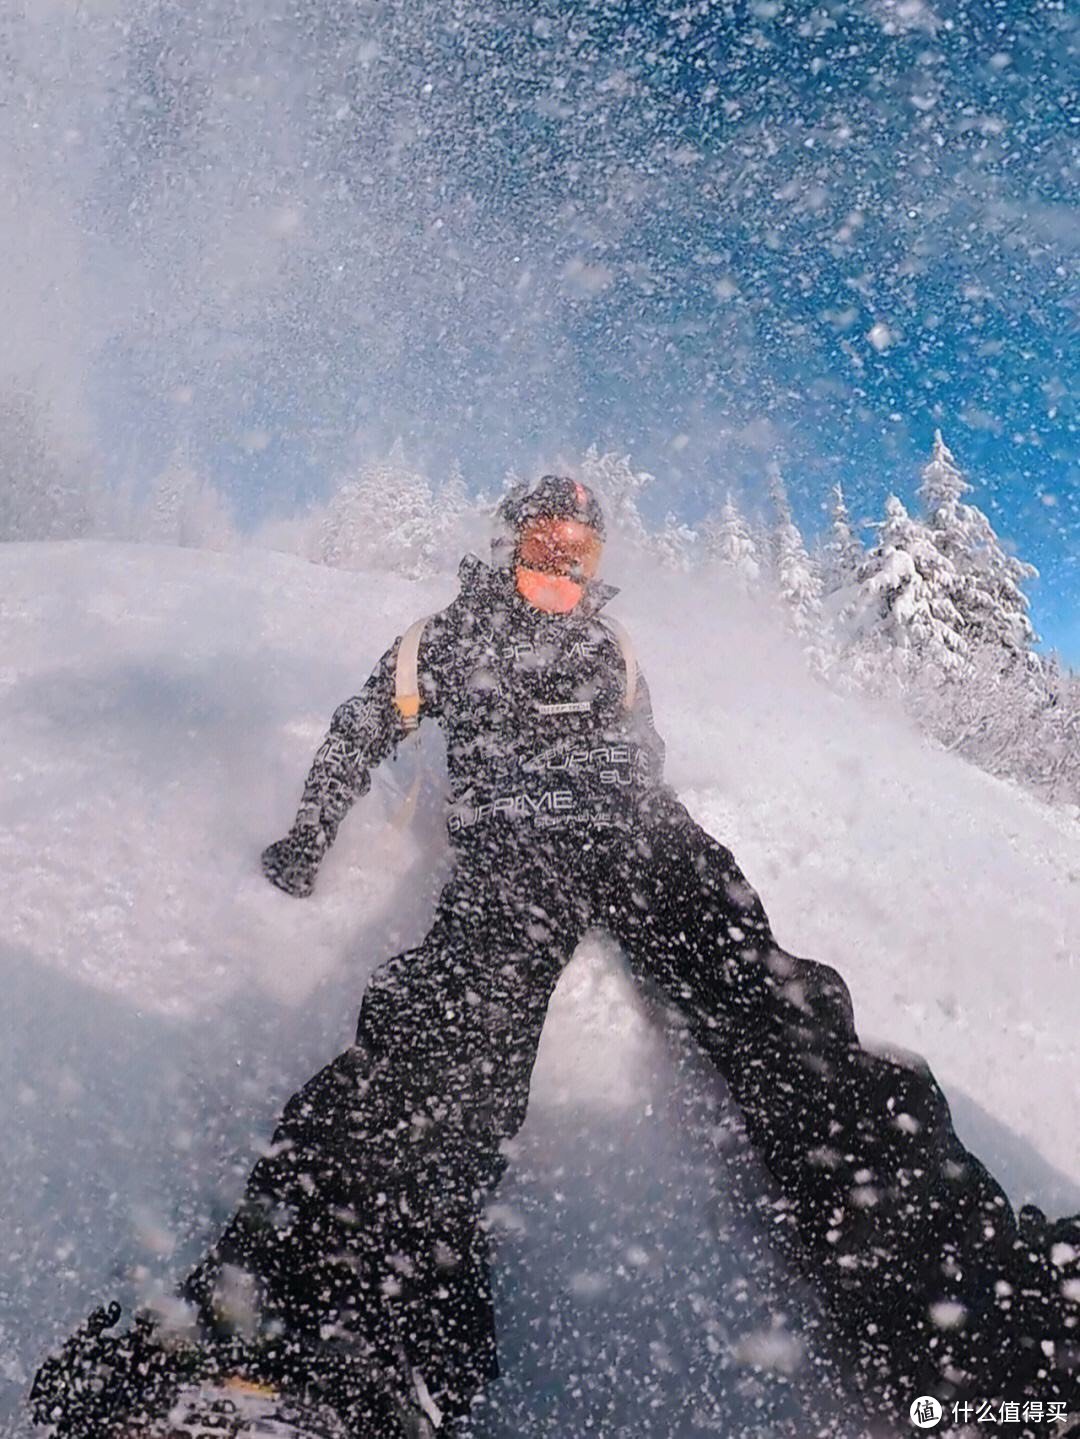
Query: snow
{"type": "Point", "coordinates": [159, 708]}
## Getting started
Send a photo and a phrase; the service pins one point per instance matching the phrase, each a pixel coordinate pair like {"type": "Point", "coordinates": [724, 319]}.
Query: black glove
{"type": "Point", "coordinates": [292, 863]}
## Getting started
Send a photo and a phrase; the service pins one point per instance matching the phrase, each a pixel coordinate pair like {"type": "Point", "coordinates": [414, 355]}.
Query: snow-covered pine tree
{"type": "Point", "coordinates": [382, 518]}
{"type": "Point", "coordinates": [674, 545]}
{"type": "Point", "coordinates": [899, 613]}
{"type": "Point", "coordinates": [620, 487]}
{"type": "Point", "coordinates": [501, 539]}
{"type": "Point", "coordinates": [206, 521]}
{"type": "Point", "coordinates": [340, 537]}
{"type": "Point", "coordinates": [779, 499]}
{"type": "Point", "coordinates": [42, 494]}
{"type": "Point", "coordinates": [1059, 748]}
{"type": "Point", "coordinates": [1005, 715]}
{"type": "Point", "coordinates": [1065, 775]}
{"type": "Point", "coordinates": [120, 518]}
{"type": "Point", "coordinates": [512, 480]}
{"type": "Point", "coordinates": [992, 604]}
{"type": "Point", "coordinates": [162, 514]}
{"type": "Point", "coordinates": [413, 542]}
{"type": "Point", "coordinates": [185, 509]}
{"type": "Point", "coordinates": [727, 538]}
{"type": "Point", "coordinates": [797, 581]}
{"type": "Point", "coordinates": [842, 552]}
{"type": "Point", "coordinates": [761, 537]}
{"type": "Point", "coordinates": [454, 519]}
{"type": "Point", "coordinates": [453, 495]}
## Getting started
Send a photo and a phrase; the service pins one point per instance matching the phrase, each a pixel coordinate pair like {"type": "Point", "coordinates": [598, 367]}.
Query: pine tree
{"type": "Point", "coordinates": [900, 607]}
{"type": "Point", "coordinates": [122, 512]}
{"type": "Point", "coordinates": [843, 551]}
{"type": "Point", "coordinates": [42, 495]}
{"type": "Point", "coordinates": [619, 487]}
{"type": "Point", "coordinates": [413, 543]}
{"type": "Point", "coordinates": [992, 604]}
{"type": "Point", "coordinates": [334, 542]}
{"type": "Point", "coordinates": [1059, 750]}
{"type": "Point", "coordinates": [453, 494]}
{"type": "Point", "coordinates": [1008, 717]}
{"type": "Point", "coordinates": [162, 516]}
{"type": "Point", "coordinates": [796, 578]}
{"type": "Point", "coordinates": [501, 535]}
{"type": "Point", "coordinates": [674, 545]}
{"type": "Point", "coordinates": [778, 498]}
{"type": "Point", "coordinates": [761, 537]}
{"type": "Point", "coordinates": [728, 540]}
{"type": "Point", "coordinates": [185, 509]}
{"type": "Point", "coordinates": [383, 519]}
{"type": "Point", "coordinates": [512, 480]}
{"type": "Point", "coordinates": [454, 518]}
{"type": "Point", "coordinates": [205, 520]}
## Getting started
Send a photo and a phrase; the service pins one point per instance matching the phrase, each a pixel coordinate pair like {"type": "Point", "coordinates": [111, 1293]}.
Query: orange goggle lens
{"type": "Point", "coordinates": [560, 547]}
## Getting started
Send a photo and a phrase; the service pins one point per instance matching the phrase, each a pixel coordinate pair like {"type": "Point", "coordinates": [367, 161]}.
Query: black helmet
{"type": "Point", "coordinates": [553, 496]}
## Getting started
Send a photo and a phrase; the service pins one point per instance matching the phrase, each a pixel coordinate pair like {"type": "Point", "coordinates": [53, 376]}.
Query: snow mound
{"type": "Point", "coordinates": [159, 709]}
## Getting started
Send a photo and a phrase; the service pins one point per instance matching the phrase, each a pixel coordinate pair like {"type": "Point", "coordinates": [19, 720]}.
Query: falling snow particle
{"type": "Point", "coordinates": [880, 336]}
{"type": "Point", "coordinates": [948, 1314]}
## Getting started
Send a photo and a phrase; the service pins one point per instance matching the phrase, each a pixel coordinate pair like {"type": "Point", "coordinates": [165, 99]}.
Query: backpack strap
{"type": "Point", "coordinates": [407, 674]}
{"type": "Point", "coordinates": [626, 644]}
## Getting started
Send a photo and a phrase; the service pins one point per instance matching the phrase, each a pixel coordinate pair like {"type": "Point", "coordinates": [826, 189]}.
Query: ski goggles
{"type": "Point", "coordinates": [560, 547]}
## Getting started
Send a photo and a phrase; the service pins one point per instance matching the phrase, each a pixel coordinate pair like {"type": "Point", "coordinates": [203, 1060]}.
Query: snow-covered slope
{"type": "Point", "coordinates": [159, 708]}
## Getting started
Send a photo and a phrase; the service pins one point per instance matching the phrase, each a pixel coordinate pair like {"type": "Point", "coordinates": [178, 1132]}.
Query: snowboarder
{"type": "Point", "coordinates": [353, 1279]}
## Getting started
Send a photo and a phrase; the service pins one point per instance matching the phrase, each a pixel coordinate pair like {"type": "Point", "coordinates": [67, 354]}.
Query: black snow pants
{"type": "Point", "coordinates": [361, 1231]}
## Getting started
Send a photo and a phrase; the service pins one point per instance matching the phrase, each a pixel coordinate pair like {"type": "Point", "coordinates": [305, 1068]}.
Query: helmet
{"type": "Point", "coordinates": [551, 537]}
{"type": "Point", "coordinates": [552, 497]}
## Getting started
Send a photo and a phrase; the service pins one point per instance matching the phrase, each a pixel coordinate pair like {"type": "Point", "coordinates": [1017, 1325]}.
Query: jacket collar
{"type": "Point", "coordinates": [484, 582]}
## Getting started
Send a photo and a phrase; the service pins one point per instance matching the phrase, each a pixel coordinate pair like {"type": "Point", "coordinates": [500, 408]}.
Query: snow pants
{"type": "Point", "coordinates": [361, 1232]}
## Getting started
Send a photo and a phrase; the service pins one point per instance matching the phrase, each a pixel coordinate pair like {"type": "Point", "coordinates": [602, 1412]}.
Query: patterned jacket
{"type": "Point", "coordinates": [534, 708]}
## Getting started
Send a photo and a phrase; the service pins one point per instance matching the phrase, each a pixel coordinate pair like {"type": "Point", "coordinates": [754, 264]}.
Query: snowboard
{"type": "Point", "coordinates": [131, 1385]}
{"type": "Point", "coordinates": [238, 1410]}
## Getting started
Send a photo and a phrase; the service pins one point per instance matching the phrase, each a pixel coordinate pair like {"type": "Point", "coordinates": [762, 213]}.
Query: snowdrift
{"type": "Point", "coordinates": [159, 708]}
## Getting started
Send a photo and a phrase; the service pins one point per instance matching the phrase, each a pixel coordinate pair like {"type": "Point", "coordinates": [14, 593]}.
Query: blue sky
{"type": "Point", "coordinates": [715, 239]}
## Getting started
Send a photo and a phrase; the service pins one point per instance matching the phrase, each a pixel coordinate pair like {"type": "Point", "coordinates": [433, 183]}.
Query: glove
{"type": "Point", "coordinates": [292, 863]}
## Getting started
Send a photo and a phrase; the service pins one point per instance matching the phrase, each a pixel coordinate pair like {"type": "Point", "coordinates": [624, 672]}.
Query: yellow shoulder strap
{"type": "Point", "coordinates": [407, 676]}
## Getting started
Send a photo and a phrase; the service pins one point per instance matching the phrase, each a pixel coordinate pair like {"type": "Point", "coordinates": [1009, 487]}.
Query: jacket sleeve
{"type": "Point", "coordinates": [646, 733]}
{"type": "Point", "coordinates": [364, 731]}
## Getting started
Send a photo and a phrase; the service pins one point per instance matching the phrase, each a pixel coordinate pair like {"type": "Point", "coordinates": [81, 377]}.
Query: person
{"type": "Point", "coordinates": [355, 1270]}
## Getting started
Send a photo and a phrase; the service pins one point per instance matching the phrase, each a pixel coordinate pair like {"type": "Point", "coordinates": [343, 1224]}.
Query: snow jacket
{"type": "Point", "coordinates": [535, 709]}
